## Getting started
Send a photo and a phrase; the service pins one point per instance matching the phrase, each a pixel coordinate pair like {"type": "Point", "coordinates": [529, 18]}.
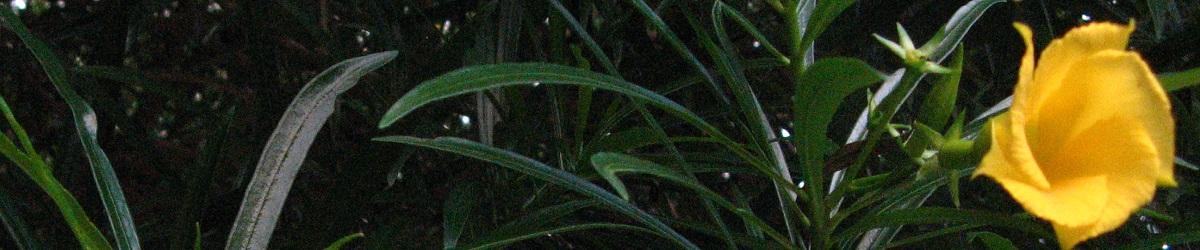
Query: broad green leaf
{"type": "Point", "coordinates": [818, 94]}
{"type": "Point", "coordinates": [546, 173]}
{"type": "Point", "coordinates": [289, 144]}
{"type": "Point", "coordinates": [86, 126]}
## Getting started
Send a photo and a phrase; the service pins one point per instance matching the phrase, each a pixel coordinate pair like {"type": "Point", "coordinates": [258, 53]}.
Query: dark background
{"type": "Point", "coordinates": [215, 77]}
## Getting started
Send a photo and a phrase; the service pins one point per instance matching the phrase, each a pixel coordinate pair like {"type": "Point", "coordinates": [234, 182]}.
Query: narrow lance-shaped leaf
{"type": "Point", "coordinates": [936, 49]}
{"type": "Point", "coordinates": [29, 162]}
{"type": "Point", "coordinates": [86, 126]}
{"type": "Point", "coordinates": [472, 79]}
{"type": "Point", "coordinates": [819, 92]}
{"type": "Point", "coordinates": [457, 212]}
{"type": "Point", "coordinates": [654, 20]}
{"type": "Point", "coordinates": [289, 144]}
{"type": "Point", "coordinates": [546, 173]}
{"type": "Point", "coordinates": [15, 224]}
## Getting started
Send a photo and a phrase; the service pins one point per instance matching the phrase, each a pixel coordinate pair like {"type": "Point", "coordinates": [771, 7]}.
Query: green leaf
{"type": "Point", "coordinates": [538, 219]}
{"type": "Point", "coordinates": [1179, 80]}
{"type": "Point", "coordinates": [761, 133]}
{"type": "Point", "coordinates": [947, 38]}
{"type": "Point", "coordinates": [288, 146]}
{"type": "Point", "coordinates": [935, 215]}
{"type": "Point", "coordinates": [932, 234]}
{"type": "Point", "coordinates": [992, 240]}
{"type": "Point", "coordinates": [198, 242]}
{"type": "Point", "coordinates": [10, 215]}
{"type": "Point", "coordinates": [591, 44]}
{"type": "Point", "coordinates": [129, 76]}
{"type": "Point", "coordinates": [484, 77]}
{"type": "Point", "coordinates": [749, 27]}
{"type": "Point", "coordinates": [543, 172]}
{"type": "Point", "coordinates": [822, 15]}
{"type": "Point", "coordinates": [819, 92]}
{"type": "Point", "coordinates": [499, 242]}
{"type": "Point", "coordinates": [85, 231]}
{"type": "Point", "coordinates": [679, 47]}
{"type": "Point", "coordinates": [457, 212]}
{"type": "Point", "coordinates": [608, 165]}
{"type": "Point", "coordinates": [937, 49]}
{"type": "Point", "coordinates": [939, 102]}
{"type": "Point", "coordinates": [86, 126]}
{"type": "Point", "coordinates": [336, 245]}
{"type": "Point", "coordinates": [1160, 240]}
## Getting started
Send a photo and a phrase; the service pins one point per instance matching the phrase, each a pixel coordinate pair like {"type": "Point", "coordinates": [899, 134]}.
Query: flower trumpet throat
{"type": "Point", "coordinates": [1089, 135]}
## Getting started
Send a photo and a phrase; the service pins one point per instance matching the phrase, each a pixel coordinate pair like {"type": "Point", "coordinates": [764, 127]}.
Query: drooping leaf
{"type": "Point", "coordinates": [86, 126]}
{"type": "Point", "coordinates": [609, 165]}
{"type": "Point", "coordinates": [546, 173]}
{"type": "Point", "coordinates": [288, 146]}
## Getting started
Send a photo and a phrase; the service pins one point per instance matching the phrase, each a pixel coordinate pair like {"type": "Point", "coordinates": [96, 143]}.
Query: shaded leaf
{"type": "Point", "coordinates": [288, 146]}
{"type": "Point", "coordinates": [86, 126]}
{"type": "Point", "coordinates": [546, 173]}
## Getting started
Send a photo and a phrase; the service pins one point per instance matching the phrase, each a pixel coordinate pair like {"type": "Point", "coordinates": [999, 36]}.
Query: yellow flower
{"type": "Point", "coordinates": [1088, 136]}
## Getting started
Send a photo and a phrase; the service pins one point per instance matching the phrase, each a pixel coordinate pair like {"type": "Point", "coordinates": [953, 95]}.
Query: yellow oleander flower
{"type": "Point", "coordinates": [1089, 134]}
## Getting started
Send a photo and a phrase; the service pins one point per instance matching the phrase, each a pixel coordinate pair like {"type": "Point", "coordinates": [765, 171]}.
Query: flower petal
{"type": "Point", "coordinates": [1025, 74]}
{"type": "Point", "coordinates": [1009, 161]}
{"type": "Point", "coordinates": [1103, 85]}
{"type": "Point", "coordinates": [1120, 150]}
{"type": "Point", "coordinates": [1079, 43]}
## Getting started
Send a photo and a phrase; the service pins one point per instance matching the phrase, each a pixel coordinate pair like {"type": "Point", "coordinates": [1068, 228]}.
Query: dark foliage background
{"type": "Point", "coordinates": [208, 81]}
